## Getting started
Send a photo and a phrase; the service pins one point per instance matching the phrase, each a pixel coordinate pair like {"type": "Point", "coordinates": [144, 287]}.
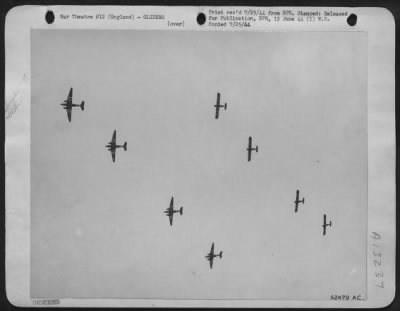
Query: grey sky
{"type": "Point", "coordinates": [98, 228]}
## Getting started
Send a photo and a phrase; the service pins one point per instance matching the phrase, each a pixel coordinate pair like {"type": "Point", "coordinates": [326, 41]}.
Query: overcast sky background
{"type": "Point", "coordinates": [98, 229]}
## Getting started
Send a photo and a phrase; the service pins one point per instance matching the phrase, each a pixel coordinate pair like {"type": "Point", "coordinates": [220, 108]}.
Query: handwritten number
{"type": "Point", "coordinates": [376, 236]}
{"type": "Point", "coordinates": [379, 274]}
{"type": "Point", "coordinates": [377, 254]}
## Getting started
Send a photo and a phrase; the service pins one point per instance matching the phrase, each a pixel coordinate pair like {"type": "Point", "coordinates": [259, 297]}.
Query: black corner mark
{"type": "Point", "coordinates": [201, 18]}
{"type": "Point", "coordinates": [352, 20]}
{"type": "Point", "coordinates": [49, 17]}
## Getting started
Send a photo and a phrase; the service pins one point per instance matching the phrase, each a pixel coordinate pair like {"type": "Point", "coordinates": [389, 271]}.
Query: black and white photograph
{"type": "Point", "coordinates": [199, 165]}
{"type": "Point", "coordinates": [98, 215]}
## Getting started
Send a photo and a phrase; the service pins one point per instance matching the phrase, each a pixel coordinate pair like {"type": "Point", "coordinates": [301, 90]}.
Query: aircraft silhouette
{"type": "Point", "coordinates": [68, 105]}
{"type": "Point", "coordinates": [112, 145]}
{"type": "Point", "coordinates": [218, 106]}
{"type": "Point", "coordinates": [324, 225]}
{"type": "Point", "coordinates": [210, 256]}
{"type": "Point", "coordinates": [297, 201]}
{"type": "Point", "coordinates": [250, 149]}
{"type": "Point", "coordinates": [170, 211]}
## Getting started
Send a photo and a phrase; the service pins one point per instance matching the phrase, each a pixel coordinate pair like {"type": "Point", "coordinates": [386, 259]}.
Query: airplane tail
{"type": "Point", "coordinates": [181, 211]}
{"type": "Point", "coordinates": [125, 145]}
{"type": "Point", "coordinates": [330, 223]}
{"type": "Point", "coordinates": [256, 148]}
{"type": "Point", "coordinates": [83, 105]}
{"type": "Point", "coordinates": [302, 201]}
{"type": "Point", "coordinates": [220, 254]}
{"type": "Point", "coordinates": [226, 105]}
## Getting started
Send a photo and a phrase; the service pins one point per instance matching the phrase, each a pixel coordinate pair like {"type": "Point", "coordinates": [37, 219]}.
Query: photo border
{"type": "Point", "coordinates": [377, 22]}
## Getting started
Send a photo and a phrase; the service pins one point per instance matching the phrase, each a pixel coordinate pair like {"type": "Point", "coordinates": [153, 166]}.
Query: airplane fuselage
{"type": "Point", "coordinates": [169, 212]}
{"type": "Point", "coordinates": [327, 225]}
{"type": "Point", "coordinates": [209, 256]}
{"type": "Point", "coordinates": [114, 146]}
{"type": "Point", "coordinates": [65, 104]}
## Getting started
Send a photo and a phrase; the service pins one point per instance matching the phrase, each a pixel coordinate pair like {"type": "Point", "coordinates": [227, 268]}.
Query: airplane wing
{"type": "Point", "coordinates": [217, 106]}
{"type": "Point", "coordinates": [114, 137]}
{"type": "Point", "coordinates": [210, 255]}
{"type": "Point", "coordinates": [212, 250]}
{"type": "Point", "coordinates": [249, 149]}
{"type": "Point", "coordinates": [170, 211]}
{"type": "Point", "coordinates": [113, 154]}
{"type": "Point", "coordinates": [69, 113]}
{"type": "Point", "coordinates": [69, 98]}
